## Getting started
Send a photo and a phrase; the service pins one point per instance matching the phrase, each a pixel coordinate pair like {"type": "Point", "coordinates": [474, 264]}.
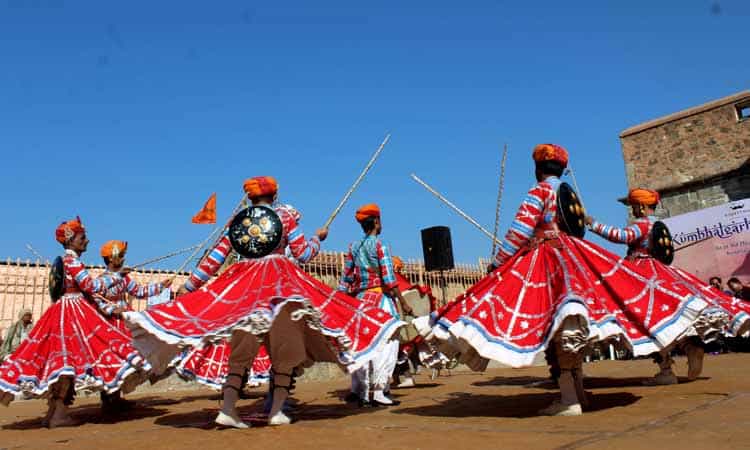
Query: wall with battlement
{"type": "Point", "coordinates": [23, 284]}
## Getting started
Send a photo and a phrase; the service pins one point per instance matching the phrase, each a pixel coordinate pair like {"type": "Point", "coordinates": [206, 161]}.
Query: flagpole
{"type": "Point", "coordinates": [212, 235]}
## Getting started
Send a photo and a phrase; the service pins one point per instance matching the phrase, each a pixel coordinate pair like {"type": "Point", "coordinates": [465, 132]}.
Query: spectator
{"type": "Point", "coordinates": [738, 290]}
{"type": "Point", "coordinates": [17, 333]}
{"type": "Point", "coordinates": [715, 283]}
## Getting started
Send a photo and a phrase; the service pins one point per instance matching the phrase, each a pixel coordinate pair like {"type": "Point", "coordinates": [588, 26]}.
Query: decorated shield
{"type": "Point", "coordinates": [255, 231]}
{"type": "Point", "coordinates": [570, 212]}
{"type": "Point", "coordinates": [56, 279]}
{"type": "Point", "coordinates": [661, 243]}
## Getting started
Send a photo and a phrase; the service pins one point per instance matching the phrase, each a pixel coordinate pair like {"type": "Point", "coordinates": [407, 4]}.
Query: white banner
{"type": "Point", "coordinates": [714, 241]}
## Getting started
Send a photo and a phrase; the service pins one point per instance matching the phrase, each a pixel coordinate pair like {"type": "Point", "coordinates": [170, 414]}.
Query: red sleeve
{"type": "Point", "coordinates": [210, 264]}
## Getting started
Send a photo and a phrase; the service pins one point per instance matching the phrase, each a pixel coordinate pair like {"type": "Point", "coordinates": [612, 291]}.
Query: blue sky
{"type": "Point", "coordinates": [131, 115]}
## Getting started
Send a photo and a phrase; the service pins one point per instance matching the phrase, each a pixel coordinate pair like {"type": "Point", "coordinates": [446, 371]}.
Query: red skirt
{"type": "Point", "coordinates": [656, 297]}
{"type": "Point", "coordinates": [210, 365]}
{"type": "Point", "coordinates": [735, 311]}
{"type": "Point", "coordinates": [512, 314]}
{"type": "Point", "coordinates": [248, 296]}
{"type": "Point", "coordinates": [119, 322]}
{"type": "Point", "coordinates": [72, 339]}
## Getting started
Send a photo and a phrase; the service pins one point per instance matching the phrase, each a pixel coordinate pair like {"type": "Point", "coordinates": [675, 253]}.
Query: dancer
{"type": "Point", "coordinates": [368, 274]}
{"type": "Point", "coordinates": [113, 254]}
{"type": "Point", "coordinates": [72, 347]}
{"type": "Point", "coordinates": [548, 288]}
{"type": "Point", "coordinates": [264, 300]}
{"type": "Point", "coordinates": [638, 237]}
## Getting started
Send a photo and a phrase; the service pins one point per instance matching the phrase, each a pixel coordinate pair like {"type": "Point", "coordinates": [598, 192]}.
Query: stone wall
{"type": "Point", "coordinates": [696, 158]}
{"type": "Point", "coordinates": [718, 191]}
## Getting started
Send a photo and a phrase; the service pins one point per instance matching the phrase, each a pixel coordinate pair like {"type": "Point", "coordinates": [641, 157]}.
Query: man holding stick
{"type": "Point", "coordinates": [369, 275]}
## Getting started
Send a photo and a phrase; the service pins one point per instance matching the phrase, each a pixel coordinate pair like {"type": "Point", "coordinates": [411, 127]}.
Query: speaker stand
{"type": "Point", "coordinates": [443, 285]}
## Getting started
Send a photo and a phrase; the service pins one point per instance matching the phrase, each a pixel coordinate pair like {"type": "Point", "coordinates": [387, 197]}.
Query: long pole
{"type": "Point", "coordinates": [578, 191]}
{"type": "Point", "coordinates": [455, 208]}
{"type": "Point", "coordinates": [500, 185]}
{"type": "Point", "coordinates": [197, 249]}
{"type": "Point", "coordinates": [163, 257]}
{"type": "Point", "coordinates": [34, 252]}
{"type": "Point", "coordinates": [356, 182]}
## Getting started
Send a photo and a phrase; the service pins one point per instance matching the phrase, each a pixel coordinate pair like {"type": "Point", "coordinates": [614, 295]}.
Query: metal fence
{"type": "Point", "coordinates": [23, 284]}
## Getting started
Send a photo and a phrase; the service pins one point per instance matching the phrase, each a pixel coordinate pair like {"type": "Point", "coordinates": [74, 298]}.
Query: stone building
{"type": "Point", "coordinates": [696, 158]}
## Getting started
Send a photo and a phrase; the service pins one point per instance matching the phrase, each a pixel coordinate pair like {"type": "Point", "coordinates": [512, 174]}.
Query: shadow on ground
{"type": "Point", "coordinates": [91, 414]}
{"type": "Point", "coordinates": [588, 382]}
{"type": "Point", "coordinates": [461, 404]}
{"type": "Point", "coordinates": [253, 414]}
{"type": "Point", "coordinates": [395, 391]}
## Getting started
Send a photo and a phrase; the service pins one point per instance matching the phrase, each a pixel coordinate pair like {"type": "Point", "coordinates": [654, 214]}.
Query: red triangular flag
{"type": "Point", "coordinates": [208, 213]}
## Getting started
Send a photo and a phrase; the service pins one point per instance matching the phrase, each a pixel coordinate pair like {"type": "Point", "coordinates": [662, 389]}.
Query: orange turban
{"type": "Point", "coordinates": [640, 196]}
{"type": "Point", "coordinates": [66, 230]}
{"type": "Point", "coordinates": [398, 264]}
{"type": "Point", "coordinates": [550, 152]}
{"type": "Point", "coordinates": [369, 210]}
{"type": "Point", "coordinates": [259, 186]}
{"type": "Point", "coordinates": [114, 248]}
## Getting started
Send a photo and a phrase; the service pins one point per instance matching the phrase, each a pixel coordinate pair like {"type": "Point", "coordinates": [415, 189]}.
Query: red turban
{"type": "Point", "coordinates": [260, 186]}
{"type": "Point", "coordinates": [66, 230]}
{"type": "Point", "coordinates": [550, 152]}
{"type": "Point", "coordinates": [640, 196]}
{"type": "Point", "coordinates": [369, 210]}
{"type": "Point", "coordinates": [114, 248]}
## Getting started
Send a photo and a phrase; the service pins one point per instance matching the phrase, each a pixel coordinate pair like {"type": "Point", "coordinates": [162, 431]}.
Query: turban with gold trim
{"type": "Point", "coordinates": [113, 249]}
{"type": "Point", "coordinates": [67, 230]}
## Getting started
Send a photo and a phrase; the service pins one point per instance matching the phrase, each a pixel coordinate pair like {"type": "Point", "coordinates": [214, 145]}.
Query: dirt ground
{"type": "Point", "coordinates": [496, 409]}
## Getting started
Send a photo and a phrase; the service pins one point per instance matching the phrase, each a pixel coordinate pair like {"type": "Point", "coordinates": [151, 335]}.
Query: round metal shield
{"type": "Point", "coordinates": [570, 212]}
{"type": "Point", "coordinates": [661, 244]}
{"type": "Point", "coordinates": [255, 231]}
{"type": "Point", "coordinates": [56, 279]}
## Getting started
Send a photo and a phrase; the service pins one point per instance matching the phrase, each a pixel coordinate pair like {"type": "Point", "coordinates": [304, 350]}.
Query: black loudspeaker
{"type": "Point", "coordinates": [437, 248]}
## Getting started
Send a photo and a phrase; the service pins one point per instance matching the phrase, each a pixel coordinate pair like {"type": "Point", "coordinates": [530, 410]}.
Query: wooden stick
{"type": "Point", "coordinates": [501, 183]}
{"type": "Point", "coordinates": [356, 182]}
{"type": "Point", "coordinates": [161, 258]}
{"type": "Point", "coordinates": [455, 208]}
{"type": "Point", "coordinates": [569, 171]}
{"type": "Point", "coordinates": [34, 252]}
{"type": "Point", "coordinates": [197, 249]}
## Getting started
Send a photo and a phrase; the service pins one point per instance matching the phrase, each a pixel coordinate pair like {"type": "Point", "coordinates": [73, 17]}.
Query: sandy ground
{"type": "Point", "coordinates": [495, 409]}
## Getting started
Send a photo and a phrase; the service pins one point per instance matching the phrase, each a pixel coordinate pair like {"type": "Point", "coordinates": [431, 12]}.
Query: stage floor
{"type": "Point", "coordinates": [496, 409]}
